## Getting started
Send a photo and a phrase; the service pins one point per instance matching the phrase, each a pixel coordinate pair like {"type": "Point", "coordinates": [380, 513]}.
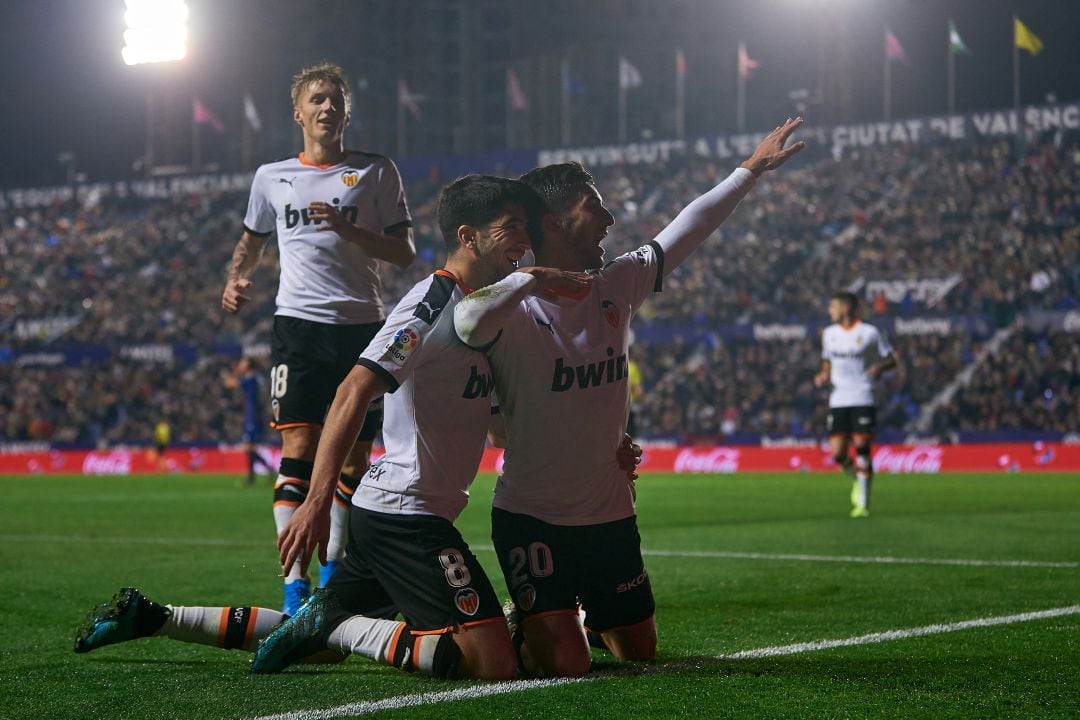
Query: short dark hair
{"type": "Point", "coordinates": [559, 185]}
{"type": "Point", "coordinates": [476, 200]}
{"type": "Point", "coordinates": [848, 298]}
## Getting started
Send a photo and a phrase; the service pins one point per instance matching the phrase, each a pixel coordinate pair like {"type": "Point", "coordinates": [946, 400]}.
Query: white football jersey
{"type": "Point", "coordinates": [850, 352]}
{"type": "Point", "coordinates": [562, 380]}
{"type": "Point", "coordinates": [436, 411]}
{"type": "Point", "coordinates": [323, 277]}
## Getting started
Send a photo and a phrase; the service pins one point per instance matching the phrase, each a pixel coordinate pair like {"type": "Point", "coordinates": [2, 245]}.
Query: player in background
{"type": "Point", "coordinates": [336, 213]}
{"type": "Point", "coordinates": [162, 438]}
{"type": "Point", "coordinates": [633, 376]}
{"type": "Point", "coordinates": [563, 518]}
{"type": "Point", "coordinates": [853, 354]}
{"type": "Point", "coordinates": [245, 378]}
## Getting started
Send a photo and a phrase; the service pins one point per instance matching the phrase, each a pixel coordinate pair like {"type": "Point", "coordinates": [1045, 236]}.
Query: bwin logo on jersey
{"type": "Point", "coordinates": [300, 216]}
{"type": "Point", "coordinates": [479, 384]}
{"type": "Point", "coordinates": [589, 374]}
{"type": "Point", "coordinates": [350, 178]}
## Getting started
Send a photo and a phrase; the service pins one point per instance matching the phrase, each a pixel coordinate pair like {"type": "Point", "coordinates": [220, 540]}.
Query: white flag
{"type": "Point", "coordinates": [251, 113]}
{"type": "Point", "coordinates": [629, 77]}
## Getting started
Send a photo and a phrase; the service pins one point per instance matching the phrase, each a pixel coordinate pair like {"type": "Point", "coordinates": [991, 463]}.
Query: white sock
{"type": "Point", "coordinates": [863, 478]}
{"type": "Point", "coordinates": [339, 531]}
{"type": "Point", "coordinates": [282, 513]}
{"type": "Point", "coordinates": [224, 627]}
{"type": "Point", "coordinates": [368, 637]}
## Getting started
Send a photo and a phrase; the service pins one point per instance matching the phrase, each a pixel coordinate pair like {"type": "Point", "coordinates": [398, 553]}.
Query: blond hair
{"type": "Point", "coordinates": [328, 72]}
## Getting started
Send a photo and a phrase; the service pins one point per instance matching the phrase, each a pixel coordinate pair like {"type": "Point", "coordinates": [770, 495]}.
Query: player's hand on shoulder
{"type": "Point", "coordinates": [552, 283]}
{"type": "Point", "coordinates": [771, 153]}
{"type": "Point", "coordinates": [235, 295]}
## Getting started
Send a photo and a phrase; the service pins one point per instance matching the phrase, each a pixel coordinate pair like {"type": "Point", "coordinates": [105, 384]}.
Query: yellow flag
{"type": "Point", "coordinates": [1025, 39]}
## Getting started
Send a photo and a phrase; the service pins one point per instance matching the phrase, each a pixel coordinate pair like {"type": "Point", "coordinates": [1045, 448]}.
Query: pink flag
{"type": "Point", "coordinates": [680, 64]}
{"type": "Point", "coordinates": [201, 114]}
{"type": "Point", "coordinates": [514, 93]}
{"type": "Point", "coordinates": [407, 99]}
{"type": "Point", "coordinates": [893, 49]}
{"type": "Point", "coordinates": [746, 63]}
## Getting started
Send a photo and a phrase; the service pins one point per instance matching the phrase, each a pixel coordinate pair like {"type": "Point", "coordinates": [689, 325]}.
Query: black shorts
{"type": "Point", "coordinates": [551, 568]}
{"type": "Point", "coordinates": [847, 420]}
{"type": "Point", "coordinates": [309, 360]}
{"type": "Point", "coordinates": [418, 565]}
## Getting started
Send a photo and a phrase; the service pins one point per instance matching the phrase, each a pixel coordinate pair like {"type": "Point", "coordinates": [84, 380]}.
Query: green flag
{"type": "Point", "coordinates": [956, 43]}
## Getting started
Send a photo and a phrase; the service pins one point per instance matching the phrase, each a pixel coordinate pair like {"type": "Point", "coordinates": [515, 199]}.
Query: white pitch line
{"type": "Point", "coordinates": [216, 542]}
{"type": "Point", "coordinates": [858, 559]}
{"type": "Point", "coordinates": [369, 707]}
{"type": "Point", "coordinates": [503, 688]}
{"type": "Point", "coordinates": [719, 554]}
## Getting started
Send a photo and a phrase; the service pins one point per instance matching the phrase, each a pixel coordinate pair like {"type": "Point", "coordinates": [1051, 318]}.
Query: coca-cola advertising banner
{"type": "Point", "coordinates": [975, 457]}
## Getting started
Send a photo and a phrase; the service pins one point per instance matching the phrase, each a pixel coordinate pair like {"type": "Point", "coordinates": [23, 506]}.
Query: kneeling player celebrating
{"type": "Point", "coordinates": [563, 521]}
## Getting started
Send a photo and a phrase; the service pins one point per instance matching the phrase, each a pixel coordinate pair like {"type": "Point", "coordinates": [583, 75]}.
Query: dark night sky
{"type": "Point", "coordinates": [65, 87]}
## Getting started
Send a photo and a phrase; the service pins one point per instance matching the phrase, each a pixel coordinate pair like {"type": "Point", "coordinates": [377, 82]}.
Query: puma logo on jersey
{"type": "Point", "coordinates": [479, 384]}
{"type": "Point", "coordinates": [589, 374]}
{"type": "Point", "coordinates": [425, 312]}
{"type": "Point", "coordinates": [543, 324]}
{"type": "Point", "coordinates": [287, 182]}
{"type": "Point", "coordinates": [298, 216]}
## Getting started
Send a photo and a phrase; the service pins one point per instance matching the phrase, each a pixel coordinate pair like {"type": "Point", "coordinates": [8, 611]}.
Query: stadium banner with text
{"type": "Point", "coordinates": [835, 140]}
{"type": "Point", "coordinates": [59, 354]}
{"type": "Point", "coordinates": [974, 457]}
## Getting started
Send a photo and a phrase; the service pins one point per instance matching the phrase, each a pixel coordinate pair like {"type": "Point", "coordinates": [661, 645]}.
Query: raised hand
{"type": "Point", "coordinates": [771, 153]}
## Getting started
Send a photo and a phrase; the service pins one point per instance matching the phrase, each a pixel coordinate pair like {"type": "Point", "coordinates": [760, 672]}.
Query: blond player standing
{"type": "Point", "coordinates": [336, 213]}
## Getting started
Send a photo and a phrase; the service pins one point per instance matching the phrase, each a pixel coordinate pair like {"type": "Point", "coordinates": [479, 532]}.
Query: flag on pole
{"type": "Point", "coordinates": [1025, 39]}
{"type": "Point", "coordinates": [570, 83]}
{"type": "Point", "coordinates": [407, 100]}
{"type": "Point", "coordinates": [629, 76]}
{"type": "Point", "coordinates": [680, 93]}
{"type": "Point", "coordinates": [251, 113]}
{"type": "Point", "coordinates": [956, 43]}
{"type": "Point", "coordinates": [200, 114]}
{"type": "Point", "coordinates": [514, 94]}
{"type": "Point", "coordinates": [746, 63]}
{"type": "Point", "coordinates": [893, 49]}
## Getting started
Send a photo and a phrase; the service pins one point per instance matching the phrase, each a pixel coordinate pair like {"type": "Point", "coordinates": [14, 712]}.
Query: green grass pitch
{"type": "Point", "coordinates": [738, 563]}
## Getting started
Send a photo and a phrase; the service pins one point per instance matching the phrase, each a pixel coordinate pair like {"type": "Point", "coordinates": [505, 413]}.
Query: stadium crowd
{"type": "Point", "coordinates": [121, 272]}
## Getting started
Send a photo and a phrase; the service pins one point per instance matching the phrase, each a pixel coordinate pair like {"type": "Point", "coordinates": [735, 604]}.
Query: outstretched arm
{"type": "Point", "coordinates": [700, 218]}
{"type": "Point", "coordinates": [481, 316]}
{"type": "Point", "coordinates": [309, 527]}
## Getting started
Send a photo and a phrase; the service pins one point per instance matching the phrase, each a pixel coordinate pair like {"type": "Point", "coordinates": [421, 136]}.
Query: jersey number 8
{"type": "Point", "coordinates": [457, 572]}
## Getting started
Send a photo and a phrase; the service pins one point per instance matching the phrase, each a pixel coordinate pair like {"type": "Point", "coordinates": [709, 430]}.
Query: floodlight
{"type": "Point", "coordinates": [156, 31]}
